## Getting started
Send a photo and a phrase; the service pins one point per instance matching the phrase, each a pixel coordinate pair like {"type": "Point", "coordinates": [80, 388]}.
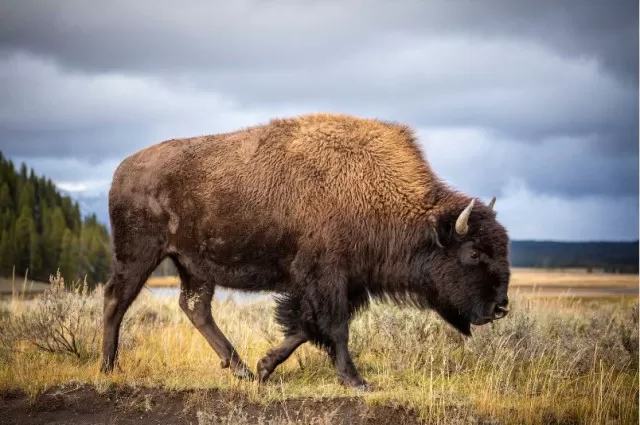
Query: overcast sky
{"type": "Point", "coordinates": [535, 102]}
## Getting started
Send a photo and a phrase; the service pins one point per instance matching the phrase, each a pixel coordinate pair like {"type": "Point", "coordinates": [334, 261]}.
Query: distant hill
{"type": "Point", "coordinates": [42, 230]}
{"type": "Point", "coordinates": [609, 256]}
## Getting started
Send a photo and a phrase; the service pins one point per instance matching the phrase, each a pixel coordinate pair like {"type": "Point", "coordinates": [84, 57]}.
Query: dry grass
{"type": "Point", "coordinates": [551, 360]}
{"type": "Point", "coordinates": [571, 277]}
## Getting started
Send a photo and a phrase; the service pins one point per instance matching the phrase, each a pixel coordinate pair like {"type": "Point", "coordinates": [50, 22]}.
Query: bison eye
{"type": "Point", "coordinates": [474, 255]}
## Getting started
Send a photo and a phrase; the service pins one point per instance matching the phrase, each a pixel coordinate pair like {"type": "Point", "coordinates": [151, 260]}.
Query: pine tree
{"type": "Point", "coordinates": [7, 251]}
{"type": "Point", "coordinates": [45, 235]}
{"type": "Point", "coordinates": [7, 219]}
{"type": "Point", "coordinates": [23, 172]}
{"type": "Point", "coordinates": [35, 250]}
{"type": "Point", "coordinates": [23, 240]}
{"type": "Point", "coordinates": [10, 177]}
{"type": "Point", "coordinates": [68, 256]}
{"type": "Point", "coordinates": [6, 203]}
{"type": "Point", "coordinates": [58, 227]}
{"type": "Point", "coordinates": [27, 198]}
{"type": "Point", "coordinates": [76, 218]}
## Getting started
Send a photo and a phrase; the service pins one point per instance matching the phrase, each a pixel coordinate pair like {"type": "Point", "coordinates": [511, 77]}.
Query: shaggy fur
{"type": "Point", "coordinates": [327, 210]}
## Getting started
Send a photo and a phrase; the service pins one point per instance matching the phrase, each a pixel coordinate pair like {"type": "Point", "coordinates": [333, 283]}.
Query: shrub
{"type": "Point", "coordinates": [61, 321]}
{"type": "Point", "coordinates": [629, 334]}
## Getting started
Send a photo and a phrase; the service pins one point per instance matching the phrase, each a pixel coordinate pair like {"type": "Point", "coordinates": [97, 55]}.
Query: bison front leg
{"type": "Point", "coordinates": [327, 301]}
{"type": "Point", "coordinates": [346, 370]}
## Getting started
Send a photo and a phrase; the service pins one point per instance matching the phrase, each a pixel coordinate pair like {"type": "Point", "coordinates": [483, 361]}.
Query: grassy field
{"type": "Point", "coordinates": [571, 277]}
{"type": "Point", "coordinates": [552, 360]}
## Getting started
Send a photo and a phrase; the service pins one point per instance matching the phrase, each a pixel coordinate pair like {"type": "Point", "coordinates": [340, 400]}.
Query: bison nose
{"type": "Point", "coordinates": [501, 309]}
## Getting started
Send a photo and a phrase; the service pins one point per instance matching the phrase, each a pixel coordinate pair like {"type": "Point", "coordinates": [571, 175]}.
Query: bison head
{"type": "Point", "coordinates": [468, 274]}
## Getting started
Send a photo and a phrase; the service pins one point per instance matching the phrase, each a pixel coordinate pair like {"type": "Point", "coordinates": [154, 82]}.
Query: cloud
{"type": "Point", "coordinates": [522, 90]}
{"type": "Point", "coordinates": [247, 33]}
{"type": "Point", "coordinates": [533, 216]}
{"type": "Point", "coordinates": [531, 95]}
{"type": "Point", "coordinates": [562, 167]}
{"type": "Point", "coordinates": [50, 112]}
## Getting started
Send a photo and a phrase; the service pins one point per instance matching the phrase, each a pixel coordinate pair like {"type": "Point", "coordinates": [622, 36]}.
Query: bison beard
{"type": "Point", "coordinates": [328, 211]}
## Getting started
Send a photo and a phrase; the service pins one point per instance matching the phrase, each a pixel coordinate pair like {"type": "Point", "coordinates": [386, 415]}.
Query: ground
{"type": "Point", "coordinates": [125, 405]}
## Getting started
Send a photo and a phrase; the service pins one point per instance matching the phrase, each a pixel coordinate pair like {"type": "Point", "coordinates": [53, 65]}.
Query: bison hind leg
{"type": "Point", "coordinates": [296, 316]}
{"type": "Point", "coordinates": [195, 302]}
{"type": "Point", "coordinates": [303, 321]}
{"type": "Point", "coordinates": [288, 316]}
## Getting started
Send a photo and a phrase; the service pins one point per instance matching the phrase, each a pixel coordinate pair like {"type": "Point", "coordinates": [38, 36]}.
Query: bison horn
{"type": "Point", "coordinates": [492, 203]}
{"type": "Point", "coordinates": [462, 226]}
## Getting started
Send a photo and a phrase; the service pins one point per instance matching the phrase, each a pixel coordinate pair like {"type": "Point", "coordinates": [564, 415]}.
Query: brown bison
{"type": "Point", "coordinates": [328, 211]}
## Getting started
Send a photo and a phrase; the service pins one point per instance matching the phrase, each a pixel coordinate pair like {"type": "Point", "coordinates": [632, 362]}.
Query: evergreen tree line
{"type": "Point", "coordinates": [43, 231]}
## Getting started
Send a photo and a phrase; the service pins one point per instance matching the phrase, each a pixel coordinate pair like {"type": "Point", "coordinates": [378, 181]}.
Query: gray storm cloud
{"type": "Point", "coordinates": [536, 102]}
{"type": "Point", "coordinates": [258, 33]}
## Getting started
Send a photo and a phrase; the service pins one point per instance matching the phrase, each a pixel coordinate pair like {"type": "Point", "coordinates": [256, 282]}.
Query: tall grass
{"type": "Point", "coordinates": [550, 360]}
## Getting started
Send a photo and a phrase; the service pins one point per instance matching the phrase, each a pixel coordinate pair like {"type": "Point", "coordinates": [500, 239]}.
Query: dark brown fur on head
{"type": "Point", "coordinates": [466, 290]}
{"type": "Point", "coordinates": [325, 209]}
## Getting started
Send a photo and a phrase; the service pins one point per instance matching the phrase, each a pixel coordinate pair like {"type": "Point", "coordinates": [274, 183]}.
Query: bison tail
{"type": "Point", "coordinates": [287, 313]}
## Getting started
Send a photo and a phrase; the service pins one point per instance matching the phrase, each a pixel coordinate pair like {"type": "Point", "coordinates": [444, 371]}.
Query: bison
{"type": "Point", "coordinates": [326, 210]}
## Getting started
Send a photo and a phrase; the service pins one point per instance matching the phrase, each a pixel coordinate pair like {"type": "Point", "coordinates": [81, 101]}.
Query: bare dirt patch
{"type": "Point", "coordinates": [83, 404]}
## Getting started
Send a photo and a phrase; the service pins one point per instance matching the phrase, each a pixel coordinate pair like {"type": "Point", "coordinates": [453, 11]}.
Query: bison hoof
{"type": "Point", "coordinates": [359, 385]}
{"type": "Point", "coordinates": [107, 368]}
{"type": "Point", "coordinates": [264, 372]}
{"type": "Point", "coordinates": [243, 372]}
{"type": "Point", "coordinates": [365, 388]}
